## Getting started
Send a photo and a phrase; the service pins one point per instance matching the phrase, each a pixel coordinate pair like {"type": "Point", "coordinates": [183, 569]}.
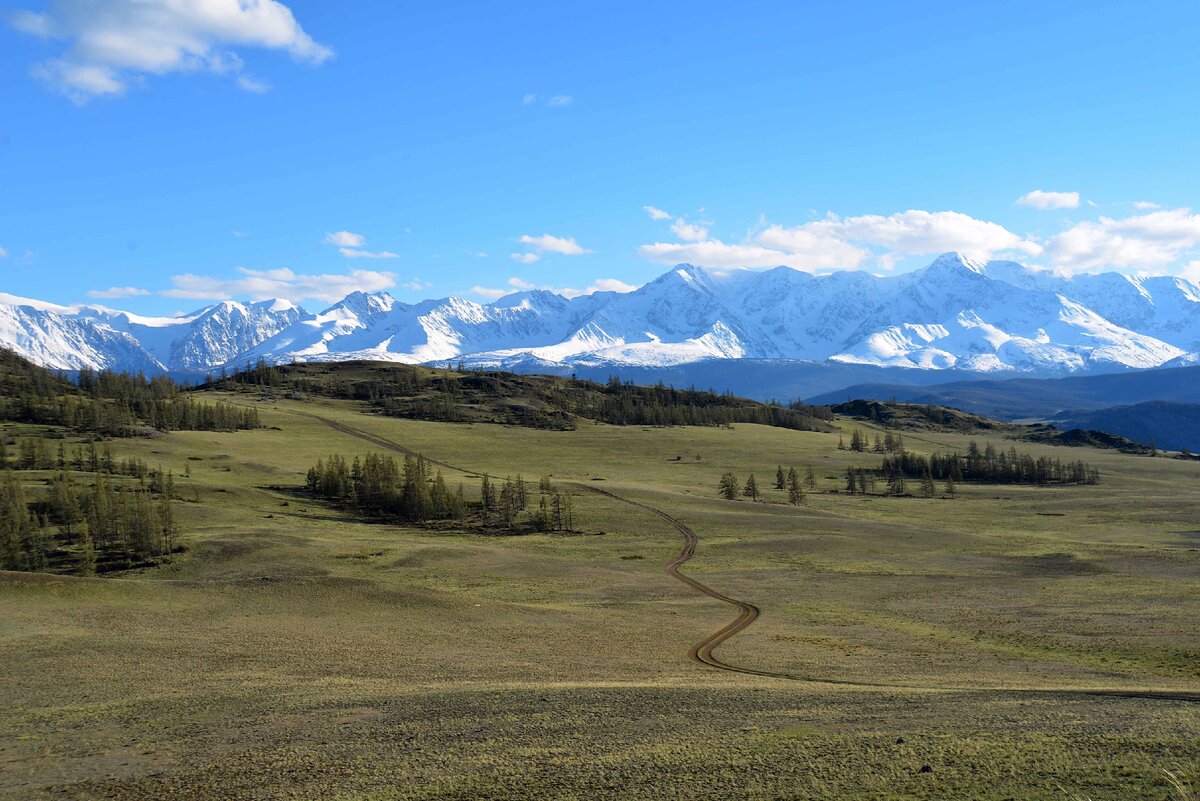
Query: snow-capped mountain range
{"type": "Point", "coordinates": [956, 313]}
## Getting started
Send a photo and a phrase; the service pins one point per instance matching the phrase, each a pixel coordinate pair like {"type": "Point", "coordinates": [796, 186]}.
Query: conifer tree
{"type": "Point", "coordinates": [780, 479]}
{"type": "Point", "coordinates": [795, 491]}
{"type": "Point", "coordinates": [729, 487]}
{"type": "Point", "coordinates": [751, 488]}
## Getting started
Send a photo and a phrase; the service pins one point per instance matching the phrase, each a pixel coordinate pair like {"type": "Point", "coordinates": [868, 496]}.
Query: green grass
{"type": "Point", "coordinates": [296, 652]}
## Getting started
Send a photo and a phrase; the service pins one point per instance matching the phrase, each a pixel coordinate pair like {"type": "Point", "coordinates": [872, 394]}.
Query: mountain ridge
{"type": "Point", "coordinates": [998, 318]}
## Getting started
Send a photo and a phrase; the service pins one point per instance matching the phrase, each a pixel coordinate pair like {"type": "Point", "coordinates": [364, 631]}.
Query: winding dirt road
{"type": "Point", "coordinates": [747, 613]}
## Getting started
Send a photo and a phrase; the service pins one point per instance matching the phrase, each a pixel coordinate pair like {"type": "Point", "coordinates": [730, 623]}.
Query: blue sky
{"type": "Point", "coordinates": [157, 156]}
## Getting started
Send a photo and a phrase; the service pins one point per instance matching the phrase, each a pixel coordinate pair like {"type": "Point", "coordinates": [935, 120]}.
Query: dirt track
{"type": "Point", "coordinates": [702, 651]}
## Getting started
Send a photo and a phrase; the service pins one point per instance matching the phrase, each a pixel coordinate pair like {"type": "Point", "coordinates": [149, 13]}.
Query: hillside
{"type": "Point", "coordinates": [534, 401]}
{"type": "Point", "coordinates": [1025, 398]}
{"type": "Point", "coordinates": [291, 640]}
{"type": "Point", "coordinates": [1171, 426]}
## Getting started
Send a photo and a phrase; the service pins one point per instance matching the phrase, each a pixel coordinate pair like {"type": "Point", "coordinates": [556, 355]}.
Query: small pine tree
{"type": "Point", "coordinates": [795, 492]}
{"type": "Point", "coordinates": [729, 487]}
{"type": "Point", "coordinates": [751, 488]}
{"type": "Point", "coordinates": [780, 480]}
{"type": "Point", "coordinates": [950, 488]}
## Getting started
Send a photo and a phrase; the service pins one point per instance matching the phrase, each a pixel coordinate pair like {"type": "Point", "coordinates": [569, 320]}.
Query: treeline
{"type": "Point", "coordinates": [37, 453]}
{"type": "Point", "coordinates": [108, 403]}
{"type": "Point", "coordinates": [989, 466]}
{"type": "Point", "coordinates": [376, 486]}
{"type": "Point", "coordinates": [84, 528]}
{"type": "Point", "coordinates": [730, 487]}
{"type": "Point", "coordinates": [548, 402]}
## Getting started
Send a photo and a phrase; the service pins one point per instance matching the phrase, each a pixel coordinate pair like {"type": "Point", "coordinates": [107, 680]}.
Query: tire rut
{"type": "Point", "coordinates": [748, 613]}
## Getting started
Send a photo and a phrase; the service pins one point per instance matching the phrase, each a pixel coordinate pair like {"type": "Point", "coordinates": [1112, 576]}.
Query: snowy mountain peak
{"type": "Point", "coordinates": [956, 313]}
{"type": "Point", "coordinates": [955, 262]}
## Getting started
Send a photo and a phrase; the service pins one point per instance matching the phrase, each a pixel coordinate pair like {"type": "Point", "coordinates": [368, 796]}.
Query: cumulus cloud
{"type": "Point", "coordinates": [118, 292]}
{"type": "Point", "coordinates": [525, 258]}
{"type": "Point", "coordinates": [565, 245]}
{"type": "Point", "coordinates": [278, 283]}
{"type": "Point", "coordinates": [845, 243]}
{"type": "Point", "coordinates": [113, 43]}
{"type": "Point", "coordinates": [491, 293]}
{"type": "Point", "coordinates": [656, 213]}
{"type": "Point", "coordinates": [689, 232]}
{"type": "Point", "coordinates": [1146, 240]}
{"type": "Point", "coordinates": [1046, 201]}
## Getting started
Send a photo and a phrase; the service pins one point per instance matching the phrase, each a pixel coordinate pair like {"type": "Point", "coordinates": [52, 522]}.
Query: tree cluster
{"type": "Point", "coordinates": [107, 523]}
{"type": "Point", "coordinates": [989, 466]}
{"type": "Point", "coordinates": [730, 488]}
{"type": "Point", "coordinates": [375, 485]}
{"type": "Point", "coordinates": [108, 403]}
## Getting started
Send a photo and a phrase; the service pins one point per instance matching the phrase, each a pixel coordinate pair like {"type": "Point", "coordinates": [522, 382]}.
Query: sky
{"type": "Point", "coordinates": [158, 155]}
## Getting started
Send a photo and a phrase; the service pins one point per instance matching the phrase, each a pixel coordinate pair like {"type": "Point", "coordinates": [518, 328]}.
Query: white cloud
{"type": "Point", "coordinates": [517, 284]}
{"type": "Point", "coordinates": [529, 99]}
{"type": "Point", "coordinates": [3, 253]}
{"type": "Point", "coordinates": [1141, 241]}
{"type": "Point", "coordinates": [489, 292]}
{"type": "Point", "coordinates": [607, 285]}
{"type": "Point", "coordinates": [656, 213]}
{"type": "Point", "coordinates": [416, 285]}
{"type": "Point", "coordinates": [847, 243]}
{"type": "Point", "coordinates": [345, 239]}
{"type": "Point", "coordinates": [253, 85]}
{"type": "Point", "coordinates": [278, 283]}
{"type": "Point", "coordinates": [117, 292]}
{"type": "Point", "coordinates": [558, 101]}
{"type": "Point", "coordinates": [715, 253]}
{"type": "Point", "coordinates": [1045, 201]}
{"type": "Point", "coordinates": [1191, 271]}
{"type": "Point", "coordinates": [1145, 205]}
{"type": "Point", "coordinates": [113, 43]}
{"type": "Point", "coordinates": [524, 258]}
{"type": "Point", "coordinates": [688, 231]}
{"type": "Point", "coordinates": [566, 245]}
{"type": "Point", "coordinates": [240, 234]}
{"type": "Point", "coordinates": [355, 253]}
{"type": "Point", "coordinates": [916, 232]}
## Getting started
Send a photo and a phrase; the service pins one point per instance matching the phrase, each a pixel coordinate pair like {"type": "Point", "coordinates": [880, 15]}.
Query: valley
{"type": "Point", "coordinates": [1008, 641]}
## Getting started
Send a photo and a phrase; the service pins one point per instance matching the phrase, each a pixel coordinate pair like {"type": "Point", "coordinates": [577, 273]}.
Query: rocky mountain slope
{"type": "Point", "coordinates": [956, 314]}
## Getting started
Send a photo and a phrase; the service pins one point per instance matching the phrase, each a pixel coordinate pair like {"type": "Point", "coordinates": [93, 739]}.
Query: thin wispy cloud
{"type": "Point", "coordinates": [517, 284]}
{"type": "Point", "coordinates": [350, 245]}
{"type": "Point", "coordinates": [115, 44]}
{"type": "Point", "coordinates": [1046, 201]}
{"type": "Point", "coordinates": [278, 283]}
{"type": "Point", "coordinates": [548, 243]}
{"type": "Point", "coordinates": [118, 292]}
{"type": "Point", "coordinates": [656, 213]}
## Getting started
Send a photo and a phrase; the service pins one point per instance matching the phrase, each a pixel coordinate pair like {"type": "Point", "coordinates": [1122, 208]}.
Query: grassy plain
{"type": "Point", "coordinates": [295, 652]}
